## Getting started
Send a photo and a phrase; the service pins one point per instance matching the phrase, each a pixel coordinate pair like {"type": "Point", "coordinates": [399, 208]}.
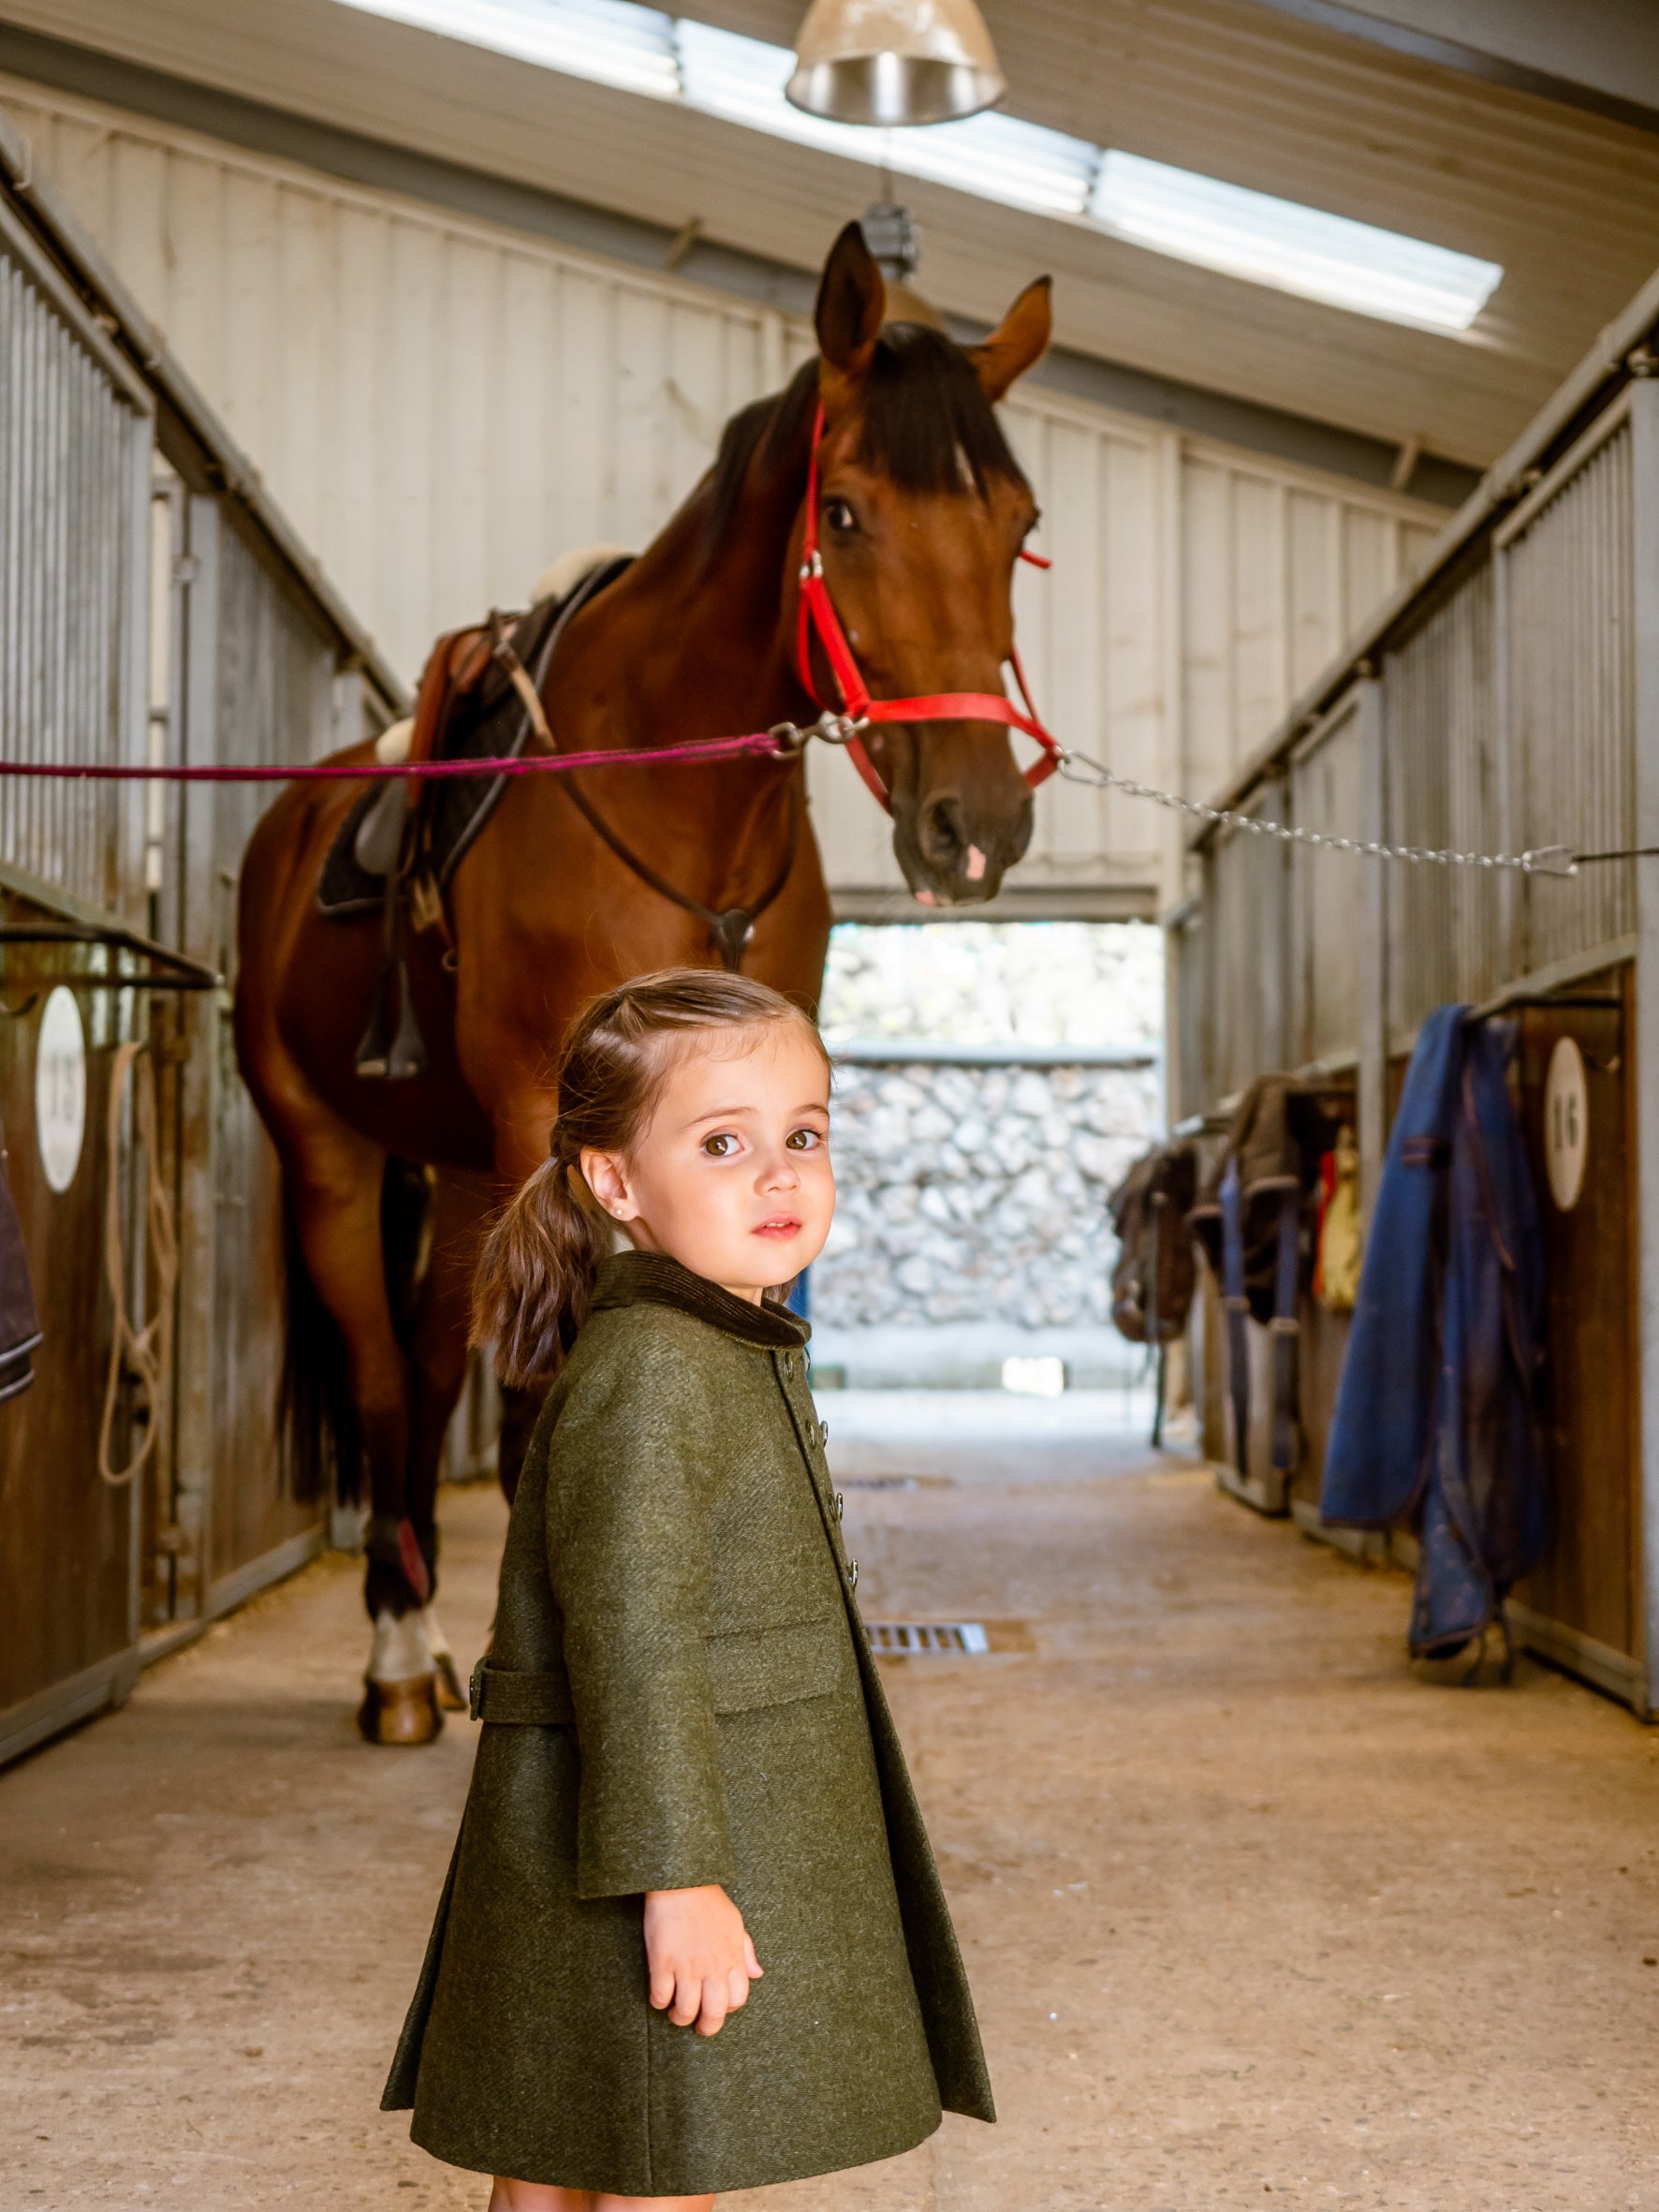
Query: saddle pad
{"type": "Point", "coordinates": [490, 723]}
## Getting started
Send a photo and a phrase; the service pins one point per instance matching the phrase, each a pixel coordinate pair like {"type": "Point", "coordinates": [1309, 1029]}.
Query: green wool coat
{"type": "Point", "coordinates": [680, 1693]}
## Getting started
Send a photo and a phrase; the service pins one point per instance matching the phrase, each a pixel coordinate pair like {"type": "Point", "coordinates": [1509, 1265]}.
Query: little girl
{"type": "Point", "coordinates": [692, 1937]}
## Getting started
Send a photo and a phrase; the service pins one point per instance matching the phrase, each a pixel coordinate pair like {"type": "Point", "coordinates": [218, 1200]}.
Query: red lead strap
{"type": "Point", "coordinates": [817, 613]}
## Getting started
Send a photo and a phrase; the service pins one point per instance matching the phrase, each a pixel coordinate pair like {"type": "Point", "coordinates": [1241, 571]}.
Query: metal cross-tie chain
{"type": "Point", "coordinates": [1544, 860]}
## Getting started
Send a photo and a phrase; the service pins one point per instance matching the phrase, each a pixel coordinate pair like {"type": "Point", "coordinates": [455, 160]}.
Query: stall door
{"type": "Point", "coordinates": [1580, 1608]}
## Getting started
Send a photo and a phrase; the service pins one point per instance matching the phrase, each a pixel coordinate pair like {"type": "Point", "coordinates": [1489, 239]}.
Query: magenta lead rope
{"type": "Point", "coordinates": [759, 742]}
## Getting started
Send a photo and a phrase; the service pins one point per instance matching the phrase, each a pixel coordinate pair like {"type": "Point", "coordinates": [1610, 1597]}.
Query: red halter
{"type": "Point", "coordinates": [817, 613]}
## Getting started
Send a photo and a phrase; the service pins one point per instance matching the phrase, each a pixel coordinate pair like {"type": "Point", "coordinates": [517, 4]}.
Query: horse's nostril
{"type": "Point", "coordinates": [947, 838]}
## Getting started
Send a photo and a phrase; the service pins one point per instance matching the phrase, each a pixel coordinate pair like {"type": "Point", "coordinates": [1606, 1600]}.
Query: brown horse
{"type": "Point", "coordinates": [923, 510]}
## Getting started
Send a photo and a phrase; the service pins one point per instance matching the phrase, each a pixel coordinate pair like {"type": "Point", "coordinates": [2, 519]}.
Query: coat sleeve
{"type": "Point", "coordinates": [628, 1559]}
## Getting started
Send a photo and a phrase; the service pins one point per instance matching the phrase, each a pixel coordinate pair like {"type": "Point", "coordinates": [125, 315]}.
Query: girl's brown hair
{"type": "Point", "coordinates": [536, 1276]}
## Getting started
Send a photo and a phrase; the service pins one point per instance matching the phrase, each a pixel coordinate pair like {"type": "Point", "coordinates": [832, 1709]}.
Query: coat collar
{"type": "Point", "coordinates": [652, 1278]}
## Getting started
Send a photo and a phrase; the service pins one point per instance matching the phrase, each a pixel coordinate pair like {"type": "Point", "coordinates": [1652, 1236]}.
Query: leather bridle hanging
{"type": "Point", "coordinates": [859, 710]}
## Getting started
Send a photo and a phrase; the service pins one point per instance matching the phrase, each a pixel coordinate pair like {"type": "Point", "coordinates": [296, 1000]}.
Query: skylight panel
{"type": "Point", "coordinates": [607, 41]}
{"type": "Point", "coordinates": [744, 79]}
{"type": "Point", "coordinates": [1299, 249]}
{"type": "Point", "coordinates": [999, 157]}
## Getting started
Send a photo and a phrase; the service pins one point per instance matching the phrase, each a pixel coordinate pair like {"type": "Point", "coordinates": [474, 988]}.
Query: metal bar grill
{"type": "Point", "coordinates": [1571, 689]}
{"type": "Point", "coordinates": [69, 537]}
{"type": "Point", "coordinates": [914, 1639]}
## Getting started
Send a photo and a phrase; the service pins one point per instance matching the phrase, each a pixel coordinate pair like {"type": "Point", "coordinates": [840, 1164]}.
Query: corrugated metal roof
{"type": "Point", "coordinates": [1567, 202]}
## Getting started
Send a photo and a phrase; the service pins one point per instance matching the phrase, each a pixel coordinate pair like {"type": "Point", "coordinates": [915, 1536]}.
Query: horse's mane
{"type": "Point", "coordinates": [925, 423]}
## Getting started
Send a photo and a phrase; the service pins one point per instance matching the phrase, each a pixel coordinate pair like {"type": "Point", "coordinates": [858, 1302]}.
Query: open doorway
{"type": "Point", "coordinates": [995, 1080]}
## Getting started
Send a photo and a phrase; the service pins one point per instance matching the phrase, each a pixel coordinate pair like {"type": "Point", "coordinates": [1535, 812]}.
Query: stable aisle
{"type": "Point", "coordinates": [1249, 1910]}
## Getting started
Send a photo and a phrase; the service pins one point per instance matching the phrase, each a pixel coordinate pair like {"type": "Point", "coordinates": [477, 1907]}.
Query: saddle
{"type": "Point", "coordinates": [1152, 1283]}
{"type": "Point", "coordinates": [398, 848]}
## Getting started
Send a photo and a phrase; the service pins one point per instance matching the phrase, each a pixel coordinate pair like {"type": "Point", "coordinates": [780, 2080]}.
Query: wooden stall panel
{"type": "Point", "coordinates": [1581, 1606]}
{"type": "Point", "coordinates": [1246, 879]}
{"type": "Point", "coordinates": [67, 1580]}
{"type": "Point", "coordinates": [1322, 1015]}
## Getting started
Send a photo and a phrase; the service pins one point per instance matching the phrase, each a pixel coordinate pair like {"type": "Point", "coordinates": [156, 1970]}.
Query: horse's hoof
{"type": "Point", "coordinates": [401, 1713]}
{"type": "Point", "coordinates": [452, 1696]}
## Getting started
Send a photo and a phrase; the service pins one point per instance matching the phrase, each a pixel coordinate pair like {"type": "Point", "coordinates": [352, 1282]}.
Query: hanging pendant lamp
{"type": "Point", "coordinates": [894, 62]}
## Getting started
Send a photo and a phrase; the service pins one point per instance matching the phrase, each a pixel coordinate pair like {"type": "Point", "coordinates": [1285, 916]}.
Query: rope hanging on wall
{"type": "Point", "coordinates": [143, 1354]}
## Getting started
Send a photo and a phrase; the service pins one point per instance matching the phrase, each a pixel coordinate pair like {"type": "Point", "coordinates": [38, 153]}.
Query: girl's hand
{"type": "Point", "coordinates": [700, 1954]}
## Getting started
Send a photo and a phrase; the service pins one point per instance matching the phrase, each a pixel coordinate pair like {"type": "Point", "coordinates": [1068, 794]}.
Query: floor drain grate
{"type": "Point", "coordinates": [916, 1636]}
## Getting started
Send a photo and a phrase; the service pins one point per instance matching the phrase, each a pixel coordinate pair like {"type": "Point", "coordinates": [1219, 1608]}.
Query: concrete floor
{"type": "Point", "coordinates": [1250, 1909]}
{"type": "Point", "coordinates": [965, 1434]}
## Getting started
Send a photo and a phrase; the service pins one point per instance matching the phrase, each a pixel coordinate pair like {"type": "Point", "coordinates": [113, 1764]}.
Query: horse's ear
{"type": "Point", "coordinates": [1018, 340]}
{"type": "Point", "coordinates": [852, 300]}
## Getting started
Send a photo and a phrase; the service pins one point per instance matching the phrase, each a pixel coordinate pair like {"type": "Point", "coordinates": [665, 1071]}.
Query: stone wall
{"type": "Point", "coordinates": [979, 1193]}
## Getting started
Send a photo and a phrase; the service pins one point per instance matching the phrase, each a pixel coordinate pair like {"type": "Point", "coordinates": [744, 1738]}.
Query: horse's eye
{"type": "Point", "coordinates": [840, 517]}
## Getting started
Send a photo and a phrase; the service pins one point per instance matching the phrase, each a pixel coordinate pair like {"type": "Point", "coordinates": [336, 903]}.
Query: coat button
{"type": "Point", "coordinates": [839, 1505]}
{"type": "Point", "coordinates": [852, 1574]}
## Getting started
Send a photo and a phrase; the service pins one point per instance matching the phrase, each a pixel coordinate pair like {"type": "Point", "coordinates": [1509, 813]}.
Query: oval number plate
{"type": "Point", "coordinates": [1566, 1124]}
{"type": "Point", "coordinates": [60, 1088]}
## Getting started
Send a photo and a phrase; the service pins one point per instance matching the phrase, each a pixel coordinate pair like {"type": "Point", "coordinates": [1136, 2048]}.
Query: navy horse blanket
{"type": "Point", "coordinates": [1436, 1426]}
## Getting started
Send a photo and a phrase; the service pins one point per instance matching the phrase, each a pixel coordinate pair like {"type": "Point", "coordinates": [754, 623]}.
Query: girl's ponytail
{"type": "Point", "coordinates": [536, 1274]}
{"type": "Point", "coordinates": [536, 1277]}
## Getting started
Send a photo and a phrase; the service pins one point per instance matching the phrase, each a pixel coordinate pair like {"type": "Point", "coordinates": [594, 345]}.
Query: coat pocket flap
{"type": "Point", "coordinates": [775, 1666]}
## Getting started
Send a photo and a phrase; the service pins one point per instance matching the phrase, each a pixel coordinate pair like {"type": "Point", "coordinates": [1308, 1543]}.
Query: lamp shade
{"type": "Point", "coordinates": [894, 62]}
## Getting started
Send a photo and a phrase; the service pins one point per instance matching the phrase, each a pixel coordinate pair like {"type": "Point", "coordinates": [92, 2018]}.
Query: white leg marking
{"type": "Point", "coordinates": [400, 1651]}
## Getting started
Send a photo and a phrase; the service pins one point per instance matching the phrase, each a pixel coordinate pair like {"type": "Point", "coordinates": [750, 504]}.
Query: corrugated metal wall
{"type": "Point", "coordinates": [143, 612]}
{"type": "Point", "coordinates": [1497, 712]}
{"type": "Point", "coordinates": [443, 408]}
{"type": "Point", "coordinates": [1443, 790]}
{"type": "Point", "coordinates": [1566, 565]}
{"type": "Point", "coordinates": [74, 502]}
{"type": "Point", "coordinates": [1246, 881]}
{"type": "Point", "coordinates": [1508, 725]}
{"type": "Point", "coordinates": [1322, 992]}
{"type": "Point", "coordinates": [1278, 573]}
{"type": "Point", "coordinates": [75, 432]}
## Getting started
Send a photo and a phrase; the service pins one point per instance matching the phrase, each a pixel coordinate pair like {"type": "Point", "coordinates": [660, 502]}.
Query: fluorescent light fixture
{"type": "Point", "coordinates": [999, 157]}
{"type": "Point", "coordinates": [607, 41]}
{"type": "Point", "coordinates": [1300, 249]}
{"type": "Point", "coordinates": [1171, 210]}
